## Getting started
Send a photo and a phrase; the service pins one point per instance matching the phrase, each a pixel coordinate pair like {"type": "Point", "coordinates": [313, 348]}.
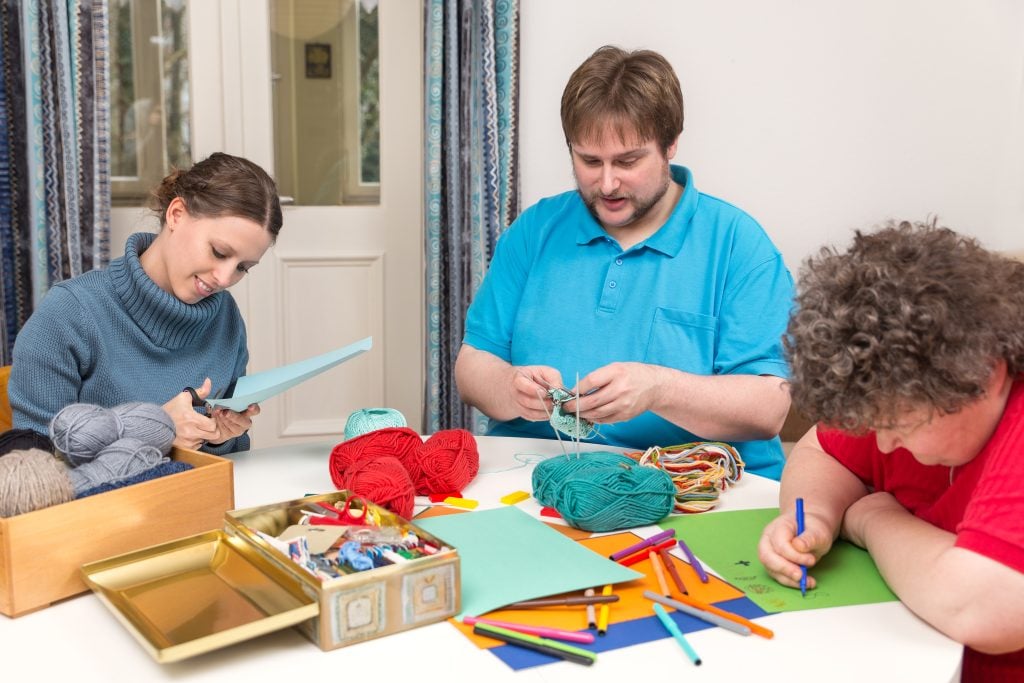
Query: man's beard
{"type": "Point", "coordinates": [640, 209]}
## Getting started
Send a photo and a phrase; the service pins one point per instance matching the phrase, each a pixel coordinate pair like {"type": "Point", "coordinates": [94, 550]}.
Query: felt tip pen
{"type": "Point", "coordinates": [558, 602]}
{"type": "Point", "coordinates": [591, 612]}
{"type": "Point", "coordinates": [800, 530]}
{"type": "Point", "coordinates": [710, 618]}
{"type": "Point", "coordinates": [673, 629]}
{"type": "Point", "coordinates": [694, 562]}
{"type": "Point", "coordinates": [640, 555]}
{"type": "Point", "coordinates": [548, 647]}
{"type": "Point", "coordinates": [753, 626]}
{"type": "Point", "coordinates": [602, 618]}
{"type": "Point", "coordinates": [649, 541]}
{"type": "Point", "coordinates": [666, 559]}
{"type": "Point", "coordinates": [659, 573]}
{"type": "Point", "coordinates": [542, 631]}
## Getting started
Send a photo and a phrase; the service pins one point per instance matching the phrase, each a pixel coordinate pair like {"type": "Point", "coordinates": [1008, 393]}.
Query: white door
{"type": "Point", "coordinates": [337, 273]}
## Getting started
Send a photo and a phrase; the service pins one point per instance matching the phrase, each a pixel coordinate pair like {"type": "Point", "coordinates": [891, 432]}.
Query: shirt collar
{"type": "Point", "coordinates": [669, 238]}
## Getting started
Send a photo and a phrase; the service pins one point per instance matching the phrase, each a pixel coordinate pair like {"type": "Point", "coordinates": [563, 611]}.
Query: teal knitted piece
{"type": "Point", "coordinates": [568, 423]}
{"type": "Point", "coordinates": [112, 336]}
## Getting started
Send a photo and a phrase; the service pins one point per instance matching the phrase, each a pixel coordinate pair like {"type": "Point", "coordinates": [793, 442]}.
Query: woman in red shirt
{"type": "Point", "coordinates": [907, 350]}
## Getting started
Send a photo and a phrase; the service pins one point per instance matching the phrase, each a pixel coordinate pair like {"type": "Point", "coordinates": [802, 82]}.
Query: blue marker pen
{"type": "Point", "coordinates": [800, 530]}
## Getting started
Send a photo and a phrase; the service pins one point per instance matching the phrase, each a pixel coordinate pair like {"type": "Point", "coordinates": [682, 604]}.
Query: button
{"type": "Point", "coordinates": [618, 262]}
{"type": "Point", "coordinates": [612, 284]}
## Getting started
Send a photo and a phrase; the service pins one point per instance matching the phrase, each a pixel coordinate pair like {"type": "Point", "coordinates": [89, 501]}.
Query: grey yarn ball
{"type": "Point", "coordinates": [81, 430]}
{"type": "Point", "coordinates": [120, 460]}
{"type": "Point", "coordinates": [147, 422]}
{"type": "Point", "coordinates": [32, 479]}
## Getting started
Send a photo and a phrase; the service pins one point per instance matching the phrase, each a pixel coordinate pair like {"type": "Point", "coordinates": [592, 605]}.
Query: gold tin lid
{"type": "Point", "coordinates": [198, 594]}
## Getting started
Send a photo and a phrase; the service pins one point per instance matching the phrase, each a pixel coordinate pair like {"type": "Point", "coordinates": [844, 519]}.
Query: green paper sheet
{"type": "Point", "coordinates": [508, 556]}
{"type": "Point", "coordinates": [727, 543]}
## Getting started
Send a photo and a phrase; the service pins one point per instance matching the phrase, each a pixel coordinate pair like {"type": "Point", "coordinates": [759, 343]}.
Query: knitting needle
{"type": "Point", "coordinates": [577, 415]}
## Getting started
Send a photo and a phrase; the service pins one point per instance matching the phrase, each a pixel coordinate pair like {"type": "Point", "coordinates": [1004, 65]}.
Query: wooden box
{"type": "Point", "coordinates": [41, 552]}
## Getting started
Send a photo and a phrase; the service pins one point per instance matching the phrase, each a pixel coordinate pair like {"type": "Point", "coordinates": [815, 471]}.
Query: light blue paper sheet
{"type": "Point", "coordinates": [508, 556]}
{"type": "Point", "coordinates": [263, 385]}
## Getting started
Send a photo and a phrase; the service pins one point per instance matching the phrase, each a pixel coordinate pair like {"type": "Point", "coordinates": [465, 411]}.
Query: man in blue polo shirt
{"type": "Point", "coordinates": [668, 304]}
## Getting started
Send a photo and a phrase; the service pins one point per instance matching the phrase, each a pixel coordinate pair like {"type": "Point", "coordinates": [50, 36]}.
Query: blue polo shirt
{"type": "Point", "coordinates": [708, 293]}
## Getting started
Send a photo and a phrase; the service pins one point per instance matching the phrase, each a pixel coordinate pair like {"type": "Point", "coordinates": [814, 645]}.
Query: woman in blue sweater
{"type": "Point", "coordinates": [158, 318]}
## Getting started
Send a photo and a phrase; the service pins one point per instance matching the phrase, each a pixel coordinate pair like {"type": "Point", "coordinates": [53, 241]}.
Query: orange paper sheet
{"type": "Point", "coordinates": [631, 604]}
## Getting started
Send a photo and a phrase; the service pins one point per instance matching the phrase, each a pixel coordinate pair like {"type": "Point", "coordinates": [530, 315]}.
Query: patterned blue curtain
{"type": "Point", "coordinates": [472, 177]}
{"type": "Point", "coordinates": [54, 150]}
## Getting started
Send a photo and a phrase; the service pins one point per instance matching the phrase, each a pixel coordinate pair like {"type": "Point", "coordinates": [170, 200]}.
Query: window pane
{"type": "Point", "coordinates": [122, 91]}
{"type": "Point", "coordinates": [174, 43]}
{"type": "Point", "coordinates": [149, 86]}
{"type": "Point", "coordinates": [326, 103]}
{"type": "Point", "coordinates": [369, 123]}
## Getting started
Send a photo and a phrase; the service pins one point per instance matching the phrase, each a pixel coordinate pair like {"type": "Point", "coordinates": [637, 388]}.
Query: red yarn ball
{"type": "Point", "coordinates": [446, 462]}
{"type": "Point", "coordinates": [382, 480]}
{"type": "Point", "coordinates": [397, 442]}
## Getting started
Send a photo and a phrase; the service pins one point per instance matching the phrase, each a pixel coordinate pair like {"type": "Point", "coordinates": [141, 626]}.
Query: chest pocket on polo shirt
{"type": "Point", "coordinates": [682, 340]}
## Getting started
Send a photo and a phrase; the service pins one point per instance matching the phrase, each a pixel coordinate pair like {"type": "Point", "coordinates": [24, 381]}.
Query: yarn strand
{"type": "Point", "coordinates": [700, 471]}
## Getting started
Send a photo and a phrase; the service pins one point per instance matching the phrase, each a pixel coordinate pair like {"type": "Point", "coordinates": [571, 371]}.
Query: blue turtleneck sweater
{"type": "Point", "coordinates": [112, 336]}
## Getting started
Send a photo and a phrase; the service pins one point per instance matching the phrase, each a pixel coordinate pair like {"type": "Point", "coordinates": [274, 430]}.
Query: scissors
{"type": "Point", "coordinates": [204, 403]}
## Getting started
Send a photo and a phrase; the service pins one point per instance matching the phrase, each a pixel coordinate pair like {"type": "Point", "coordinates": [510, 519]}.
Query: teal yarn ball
{"type": "Point", "coordinates": [369, 420]}
{"type": "Point", "coordinates": [550, 475]}
{"type": "Point", "coordinates": [612, 498]}
{"type": "Point", "coordinates": [603, 491]}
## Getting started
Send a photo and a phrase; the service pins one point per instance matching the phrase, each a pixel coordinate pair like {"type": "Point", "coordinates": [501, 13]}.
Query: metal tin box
{"type": "Point", "coordinates": [211, 590]}
{"type": "Point", "coordinates": [41, 552]}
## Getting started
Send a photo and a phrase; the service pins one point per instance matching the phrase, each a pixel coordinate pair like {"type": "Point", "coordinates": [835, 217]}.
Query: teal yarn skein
{"type": "Point", "coordinates": [550, 475]}
{"type": "Point", "coordinates": [369, 420]}
{"type": "Point", "coordinates": [603, 491]}
{"type": "Point", "coordinates": [612, 498]}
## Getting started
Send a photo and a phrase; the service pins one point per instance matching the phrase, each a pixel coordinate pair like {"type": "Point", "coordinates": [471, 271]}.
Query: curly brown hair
{"type": "Point", "coordinates": [913, 316]}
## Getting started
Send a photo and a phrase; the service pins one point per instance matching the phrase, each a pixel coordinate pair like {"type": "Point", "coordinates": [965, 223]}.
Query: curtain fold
{"type": "Point", "coordinates": [471, 175]}
{"type": "Point", "coordinates": [54, 150]}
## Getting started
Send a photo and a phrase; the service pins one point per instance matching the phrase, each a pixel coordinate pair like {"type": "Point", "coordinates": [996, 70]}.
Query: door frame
{"type": "Point", "coordinates": [229, 44]}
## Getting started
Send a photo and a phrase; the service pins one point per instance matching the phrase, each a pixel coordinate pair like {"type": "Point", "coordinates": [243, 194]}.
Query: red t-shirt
{"type": "Point", "coordinates": [982, 502]}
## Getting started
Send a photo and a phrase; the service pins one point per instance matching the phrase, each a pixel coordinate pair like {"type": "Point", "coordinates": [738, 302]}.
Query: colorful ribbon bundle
{"type": "Point", "coordinates": [700, 471]}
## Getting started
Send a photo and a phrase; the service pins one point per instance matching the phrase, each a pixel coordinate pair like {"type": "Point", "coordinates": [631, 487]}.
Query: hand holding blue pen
{"type": "Point", "coordinates": [800, 530]}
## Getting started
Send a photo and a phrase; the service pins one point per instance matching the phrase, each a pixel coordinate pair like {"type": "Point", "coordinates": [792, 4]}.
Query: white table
{"type": "Point", "coordinates": [79, 640]}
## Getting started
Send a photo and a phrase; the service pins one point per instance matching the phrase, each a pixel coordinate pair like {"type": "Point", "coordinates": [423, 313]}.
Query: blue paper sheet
{"type": "Point", "coordinates": [627, 633]}
{"type": "Point", "coordinates": [263, 385]}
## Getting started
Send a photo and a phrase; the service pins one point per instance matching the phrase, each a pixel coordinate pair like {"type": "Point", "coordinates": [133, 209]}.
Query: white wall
{"type": "Point", "coordinates": [815, 116]}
